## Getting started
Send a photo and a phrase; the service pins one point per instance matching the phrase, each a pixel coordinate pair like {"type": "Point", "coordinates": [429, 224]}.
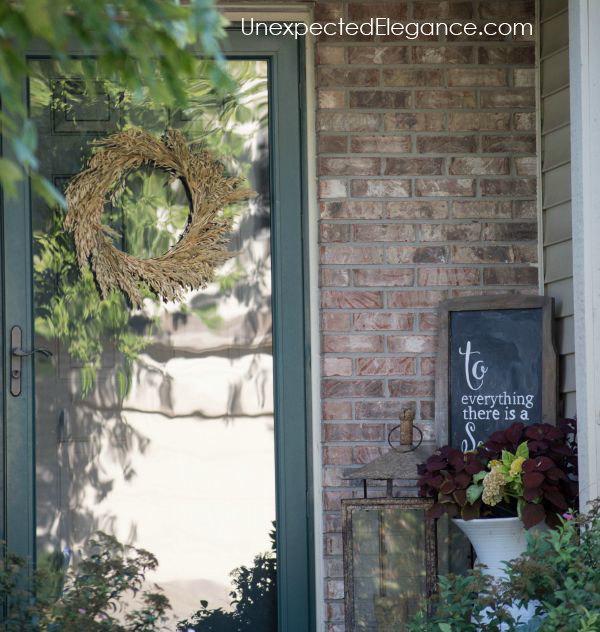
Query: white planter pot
{"type": "Point", "coordinates": [495, 540]}
{"type": "Point", "coordinates": [498, 540]}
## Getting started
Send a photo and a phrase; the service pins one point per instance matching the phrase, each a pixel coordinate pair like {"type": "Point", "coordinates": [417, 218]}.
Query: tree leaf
{"type": "Point", "coordinates": [523, 450]}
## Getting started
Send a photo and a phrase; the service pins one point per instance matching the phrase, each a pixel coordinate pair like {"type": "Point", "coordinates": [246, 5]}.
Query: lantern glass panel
{"type": "Point", "coordinates": [389, 549]}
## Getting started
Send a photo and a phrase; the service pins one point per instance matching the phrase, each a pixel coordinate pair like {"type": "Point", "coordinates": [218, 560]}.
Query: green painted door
{"type": "Point", "coordinates": [179, 427]}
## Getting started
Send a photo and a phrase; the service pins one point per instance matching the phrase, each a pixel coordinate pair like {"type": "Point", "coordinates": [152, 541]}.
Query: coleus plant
{"type": "Point", "coordinates": [529, 471]}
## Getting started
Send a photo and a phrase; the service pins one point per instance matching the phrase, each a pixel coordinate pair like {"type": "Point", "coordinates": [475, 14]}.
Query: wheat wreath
{"type": "Point", "coordinates": [191, 262]}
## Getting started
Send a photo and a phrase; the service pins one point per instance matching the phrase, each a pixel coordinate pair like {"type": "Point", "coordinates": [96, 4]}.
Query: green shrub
{"type": "Point", "coordinates": [559, 574]}
{"type": "Point", "coordinates": [95, 595]}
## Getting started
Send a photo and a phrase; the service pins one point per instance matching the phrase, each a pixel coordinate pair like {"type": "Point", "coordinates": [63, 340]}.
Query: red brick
{"type": "Point", "coordinates": [446, 187]}
{"type": "Point", "coordinates": [443, 9]}
{"type": "Point", "coordinates": [379, 99]}
{"type": "Point", "coordinates": [510, 276]}
{"type": "Point", "coordinates": [442, 54]}
{"type": "Point", "coordinates": [334, 277]}
{"type": "Point", "coordinates": [380, 188]}
{"type": "Point", "coordinates": [337, 455]}
{"type": "Point", "coordinates": [333, 144]}
{"type": "Point", "coordinates": [428, 321]}
{"type": "Point", "coordinates": [510, 186]}
{"type": "Point", "coordinates": [411, 388]}
{"type": "Point", "coordinates": [332, 188]}
{"type": "Point", "coordinates": [503, 10]}
{"type": "Point", "coordinates": [332, 99]}
{"type": "Point", "coordinates": [427, 410]}
{"type": "Point", "coordinates": [480, 209]}
{"type": "Point", "coordinates": [402, 77]}
{"type": "Point", "coordinates": [449, 276]}
{"type": "Point", "coordinates": [482, 254]}
{"type": "Point", "coordinates": [330, 54]}
{"type": "Point", "coordinates": [450, 232]}
{"type": "Point", "coordinates": [524, 77]}
{"type": "Point", "coordinates": [478, 121]}
{"type": "Point", "coordinates": [336, 409]}
{"type": "Point", "coordinates": [526, 166]}
{"type": "Point", "coordinates": [525, 253]}
{"type": "Point", "coordinates": [348, 122]}
{"type": "Point", "coordinates": [427, 366]}
{"type": "Point", "coordinates": [337, 367]}
{"type": "Point", "coordinates": [384, 232]}
{"type": "Point", "coordinates": [477, 165]}
{"type": "Point", "coordinates": [446, 144]}
{"type": "Point", "coordinates": [333, 499]}
{"type": "Point", "coordinates": [477, 77]}
{"type": "Point", "coordinates": [440, 99]}
{"type": "Point", "coordinates": [383, 277]}
{"type": "Point", "coordinates": [353, 432]}
{"type": "Point", "coordinates": [413, 166]}
{"type": "Point", "coordinates": [377, 321]}
{"type": "Point", "coordinates": [353, 343]}
{"type": "Point", "coordinates": [522, 143]}
{"type": "Point", "coordinates": [335, 321]}
{"type": "Point", "coordinates": [395, 10]}
{"type": "Point", "coordinates": [386, 366]}
{"type": "Point", "coordinates": [352, 388]}
{"type": "Point", "coordinates": [375, 55]}
{"type": "Point", "coordinates": [334, 232]}
{"type": "Point", "coordinates": [418, 298]}
{"type": "Point", "coordinates": [524, 209]}
{"type": "Point", "coordinates": [339, 77]}
{"type": "Point", "coordinates": [508, 98]}
{"type": "Point", "coordinates": [350, 166]}
{"type": "Point", "coordinates": [351, 254]}
{"type": "Point", "coordinates": [382, 409]}
{"type": "Point", "coordinates": [363, 454]}
{"type": "Point", "coordinates": [343, 299]}
{"type": "Point", "coordinates": [380, 144]}
{"type": "Point", "coordinates": [351, 209]}
{"type": "Point", "coordinates": [411, 344]}
{"type": "Point", "coordinates": [417, 209]}
{"type": "Point", "coordinates": [524, 121]}
{"type": "Point", "coordinates": [328, 12]}
{"type": "Point", "coordinates": [417, 121]}
{"type": "Point", "coordinates": [514, 231]}
{"type": "Point", "coordinates": [417, 254]}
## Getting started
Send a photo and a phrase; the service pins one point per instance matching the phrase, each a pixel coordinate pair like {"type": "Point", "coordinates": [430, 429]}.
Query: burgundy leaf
{"type": "Point", "coordinates": [531, 493]}
{"type": "Point", "coordinates": [532, 514]}
{"type": "Point", "coordinates": [434, 465]}
{"type": "Point", "coordinates": [460, 495]}
{"type": "Point", "coordinates": [436, 481]}
{"type": "Point", "coordinates": [470, 512]}
{"type": "Point", "coordinates": [514, 433]}
{"type": "Point", "coordinates": [451, 510]}
{"type": "Point", "coordinates": [447, 487]}
{"type": "Point", "coordinates": [462, 480]}
{"type": "Point", "coordinates": [473, 467]}
{"type": "Point", "coordinates": [532, 479]}
{"type": "Point", "coordinates": [436, 511]}
{"type": "Point", "coordinates": [555, 474]}
{"type": "Point", "coordinates": [556, 498]}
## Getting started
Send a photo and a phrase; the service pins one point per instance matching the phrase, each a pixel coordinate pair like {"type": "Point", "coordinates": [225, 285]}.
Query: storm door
{"type": "Point", "coordinates": [179, 427]}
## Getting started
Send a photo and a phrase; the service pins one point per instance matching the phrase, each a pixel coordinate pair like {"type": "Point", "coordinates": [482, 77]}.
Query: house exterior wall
{"type": "Point", "coordinates": [427, 189]}
{"type": "Point", "coordinates": [556, 185]}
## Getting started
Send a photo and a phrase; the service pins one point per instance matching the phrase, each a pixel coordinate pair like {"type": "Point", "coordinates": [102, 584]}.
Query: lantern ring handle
{"type": "Point", "coordinates": [412, 448]}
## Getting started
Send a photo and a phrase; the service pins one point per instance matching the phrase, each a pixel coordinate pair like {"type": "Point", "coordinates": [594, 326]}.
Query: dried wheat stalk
{"type": "Point", "coordinates": [191, 262]}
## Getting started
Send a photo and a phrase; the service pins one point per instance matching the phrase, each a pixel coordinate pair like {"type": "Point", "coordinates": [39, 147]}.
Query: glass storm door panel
{"type": "Point", "coordinates": [163, 425]}
{"type": "Point", "coordinates": [149, 420]}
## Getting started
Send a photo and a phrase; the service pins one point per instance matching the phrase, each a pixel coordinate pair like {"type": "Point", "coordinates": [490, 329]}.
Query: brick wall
{"type": "Point", "coordinates": [427, 190]}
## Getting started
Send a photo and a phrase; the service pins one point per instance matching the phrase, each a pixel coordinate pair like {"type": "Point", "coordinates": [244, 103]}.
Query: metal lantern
{"type": "Point", "coordinates": [390, 549]}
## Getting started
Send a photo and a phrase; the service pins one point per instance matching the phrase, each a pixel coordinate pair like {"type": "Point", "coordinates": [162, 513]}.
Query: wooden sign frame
{"type": "Point", "coordinates": [549, 385]}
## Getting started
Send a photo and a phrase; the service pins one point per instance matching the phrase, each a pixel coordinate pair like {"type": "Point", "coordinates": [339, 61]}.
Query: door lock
{"type": "Point", "coordinates": [16, 355]}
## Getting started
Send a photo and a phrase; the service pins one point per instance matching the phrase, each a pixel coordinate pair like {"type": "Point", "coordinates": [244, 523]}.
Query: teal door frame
{"type": "Point", "coordinates": [291, 341]}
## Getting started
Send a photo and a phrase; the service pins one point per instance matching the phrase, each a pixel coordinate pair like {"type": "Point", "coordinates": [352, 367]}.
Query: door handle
{"type": "Point", "coordinates": [16, 356]}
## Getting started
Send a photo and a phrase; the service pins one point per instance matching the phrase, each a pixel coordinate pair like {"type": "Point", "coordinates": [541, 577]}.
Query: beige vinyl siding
{"type": "Point", "coordinates": [556, 185]}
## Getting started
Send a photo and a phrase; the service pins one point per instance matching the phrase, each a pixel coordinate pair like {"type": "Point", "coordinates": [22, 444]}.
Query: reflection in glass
{"type": "Point", "coordinates": [156, 425]}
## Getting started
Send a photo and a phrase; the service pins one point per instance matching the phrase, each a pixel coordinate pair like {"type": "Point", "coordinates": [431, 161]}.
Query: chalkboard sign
{"type": "Point", "coordinates": [496, 365]}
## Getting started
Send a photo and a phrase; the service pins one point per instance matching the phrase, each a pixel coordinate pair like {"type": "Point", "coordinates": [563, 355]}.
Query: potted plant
{"type": "Point", "coordinates": [519, 478]}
